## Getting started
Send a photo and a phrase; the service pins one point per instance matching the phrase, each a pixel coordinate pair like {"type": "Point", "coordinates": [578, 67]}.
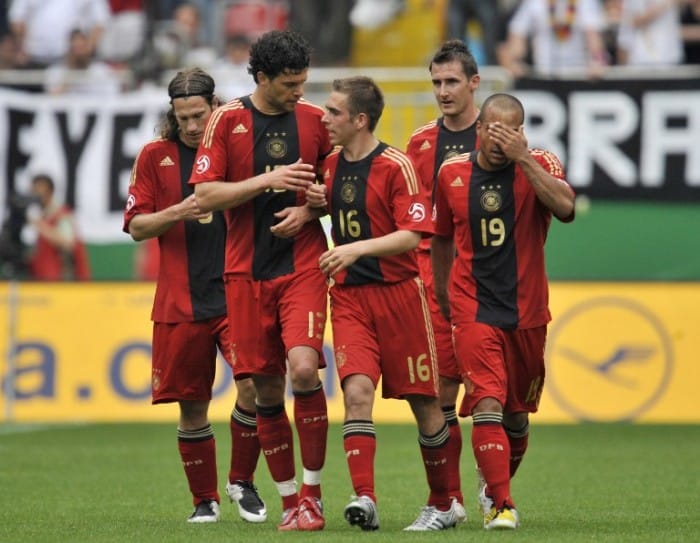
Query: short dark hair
{"type": "Point", "coordinates": [364, 96]}
{"type": "Point", "coordinates": [277, 52]}
{"type": "Point", "coordinates": [46, 179]}
{"type": "Point", "coordinates": [455, 50]}
{"type": "Point", "coordinates": [502, 102]}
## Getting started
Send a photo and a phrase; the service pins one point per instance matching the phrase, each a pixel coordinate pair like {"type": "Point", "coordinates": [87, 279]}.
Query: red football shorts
{"type": "Point", "coordinates": [507, 365]}
{"type": "Point", "coordinates": [184, 358]}
{"type": "Point", "coordinates": [384, 330]}
{"type": "Point", "coordinates": [447, 361]}
{"type": "Point", "coordinates": [268, 318]}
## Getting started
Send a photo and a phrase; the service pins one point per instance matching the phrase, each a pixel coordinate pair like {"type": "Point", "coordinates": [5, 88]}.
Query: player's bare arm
{"type": "Point", "coordinates": [442, 254]}
{"type": "Point", "coordinates": [150, 225]}
{"type": "Point", "coordinates": [551, 191]}
{"type": "Point", "coordinates": [217, 195]}
{"type": "Point", "coordinates": [344, 256]}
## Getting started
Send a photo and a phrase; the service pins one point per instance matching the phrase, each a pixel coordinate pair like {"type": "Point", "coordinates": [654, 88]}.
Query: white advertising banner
{"type": "Point", "coordinates": [86, 144]}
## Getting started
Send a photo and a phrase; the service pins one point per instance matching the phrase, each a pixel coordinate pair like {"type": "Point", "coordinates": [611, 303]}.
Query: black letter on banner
{"type": "Point", "coordinates": [73, 152]}
{"type": "Point", "coordinates": [16, 159]}
{"type": "Point", "coordinates": [118, 160]}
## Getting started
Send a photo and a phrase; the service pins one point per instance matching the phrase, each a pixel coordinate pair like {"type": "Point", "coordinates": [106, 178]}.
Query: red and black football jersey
{"type": "Point", "coordinates": [239, 143]}
{"type": "Point", "coordinates": [190, 275]}
{"type": "Point", "coordinates": [370, 198]}
{"type": "Point", "coordinates": [430, 145]}
{"type": "Point", "coordinates": [499, 227]}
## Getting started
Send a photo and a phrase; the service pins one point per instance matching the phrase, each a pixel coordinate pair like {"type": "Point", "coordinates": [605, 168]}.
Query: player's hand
{"type": "Point", "coordinates": [338, 258]}
{"type": "Point", "coordinates": [188, 210]}
{"type": "Point", "coordinates": [512, 143]}
{"type": "Point", "coordinates": [316, 196]}
{"type": "Point", "coordinates": [295, 177]}
{"type": "Point", "coordinates": [292, 219]}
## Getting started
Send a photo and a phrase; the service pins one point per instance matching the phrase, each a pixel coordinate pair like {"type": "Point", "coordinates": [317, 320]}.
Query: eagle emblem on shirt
{"type": "Point", "coordinates": [491, 199]}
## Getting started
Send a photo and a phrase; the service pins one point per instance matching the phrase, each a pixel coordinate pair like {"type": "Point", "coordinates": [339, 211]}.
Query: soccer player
{"type": "Point", "coordinates": [379, 310]}
{"type": "Point", "coordinates": [189, 309]}
{"type": "Point", "coordinates": [257, 156]}
{"type": "Point", "coordinates": [494, 207]}
{"type": "Point", "coordinates": [455, 78]}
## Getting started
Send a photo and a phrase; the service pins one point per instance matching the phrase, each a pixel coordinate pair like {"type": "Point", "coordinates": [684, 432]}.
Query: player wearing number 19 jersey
{"type": "Point", "coordinates": [494, 207]}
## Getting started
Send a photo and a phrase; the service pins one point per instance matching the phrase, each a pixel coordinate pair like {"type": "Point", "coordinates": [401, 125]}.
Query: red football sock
{"type": "Point", "coordinates": [492, 453]}
{"type": "Point", "coordinates": [518, 445]}
{"type": "Point", "coordinates": [276, 442]}
{"type": "Point", "coordinates": [360, 444]}
{"type": "Point", "coordinates": [453, 451]}
{"type": "Point", "coordinates": [198, 453]}
{"type": "Point", "coordinates": [245, 445]}
{"type": "Point", "coordinates": [311, 421]}
{"type": "Point", "coordinates": [433, 449]}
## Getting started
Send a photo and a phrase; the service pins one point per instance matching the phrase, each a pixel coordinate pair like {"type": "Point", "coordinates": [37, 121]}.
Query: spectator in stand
{"type": "Point", "coordinates": [80, 73]}
{"type": "Point", "coordinates": [125, 35]}
{"type": "Point", "coordinates": [649, 34]}
{"type": "Point", "coordinates": [43, 27]}
{"type": "Point", "coordinates": [327, 27]}
{"type": "Point", "coordinates": [59, 253]}
{"type": "Point", "coordinates": [460, 12]}
{"type": "Point", "coordinates": [178, 42]}
{"type": "Point", "coordinates": [690, 31]}
{"type": "Point", "coordinates": [565, 37]}
{"type": "Point", "coordinates": [231, 70]}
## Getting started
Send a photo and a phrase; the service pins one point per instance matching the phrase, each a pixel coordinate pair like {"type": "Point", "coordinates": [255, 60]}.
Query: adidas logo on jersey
{"type": "Point", "coordinates": [426, 145]}
{"type": "Point", "coordinates": [167, 161]}
{"type": "Point", "coordinates": [457, 182]}
{"type": "Point", "coordinates": [240, 129]}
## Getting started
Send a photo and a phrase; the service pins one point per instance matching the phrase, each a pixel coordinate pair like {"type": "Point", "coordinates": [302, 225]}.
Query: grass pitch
{"type": "Point", "coordinates": [124, 483]}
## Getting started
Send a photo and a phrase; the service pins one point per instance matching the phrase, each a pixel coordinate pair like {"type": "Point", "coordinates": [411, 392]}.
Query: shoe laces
{"type": "Point", "coordinates": [426, 517]}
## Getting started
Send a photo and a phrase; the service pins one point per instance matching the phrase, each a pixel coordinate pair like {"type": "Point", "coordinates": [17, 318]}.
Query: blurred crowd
{"type": "Point", "coordinates": [108, 46]}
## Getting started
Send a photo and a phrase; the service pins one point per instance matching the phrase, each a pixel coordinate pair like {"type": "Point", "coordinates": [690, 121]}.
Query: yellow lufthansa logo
{"type": "Point", "coordinates": [608, 359]}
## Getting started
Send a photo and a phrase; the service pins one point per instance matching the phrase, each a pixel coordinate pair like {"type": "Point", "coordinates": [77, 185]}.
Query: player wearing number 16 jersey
{"type": "Point", "coordinates": [494, 206]}
{"type": "Point", "coordinates": [379, 310]}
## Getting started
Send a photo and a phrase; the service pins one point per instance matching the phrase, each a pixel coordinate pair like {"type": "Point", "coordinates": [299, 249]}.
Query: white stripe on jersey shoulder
{"type": "Point", "coordinates": [145, 147]}
{"type": "Point", "coordinates": [432, 124]}
{"type": "Point", "coordinates": [457, 159]}
{"type": "Point", "coordinates": [407, 168]}
{"type": "Point", "coordinates": [216, 117]}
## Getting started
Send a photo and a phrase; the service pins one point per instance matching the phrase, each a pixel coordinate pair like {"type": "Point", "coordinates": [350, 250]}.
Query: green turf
{"type": "Point", "coordinates": [124, 483]}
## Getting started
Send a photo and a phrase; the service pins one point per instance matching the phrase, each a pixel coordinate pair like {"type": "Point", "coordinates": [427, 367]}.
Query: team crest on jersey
{"type": "Point", "coordinates": [491, 199]}
{"type": "Point", "coordinates": [417, 212]}
{"type": "Point", "coordinates": [130, 202]}
{"type": "Point", "coordinates": [203, 164]}
{"type": "Point", "coordinates": [452, 151]}
{"type": "Point", "coordinates": [348, 192]}
{"type": "Point", "coordinates": [276, 147]}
